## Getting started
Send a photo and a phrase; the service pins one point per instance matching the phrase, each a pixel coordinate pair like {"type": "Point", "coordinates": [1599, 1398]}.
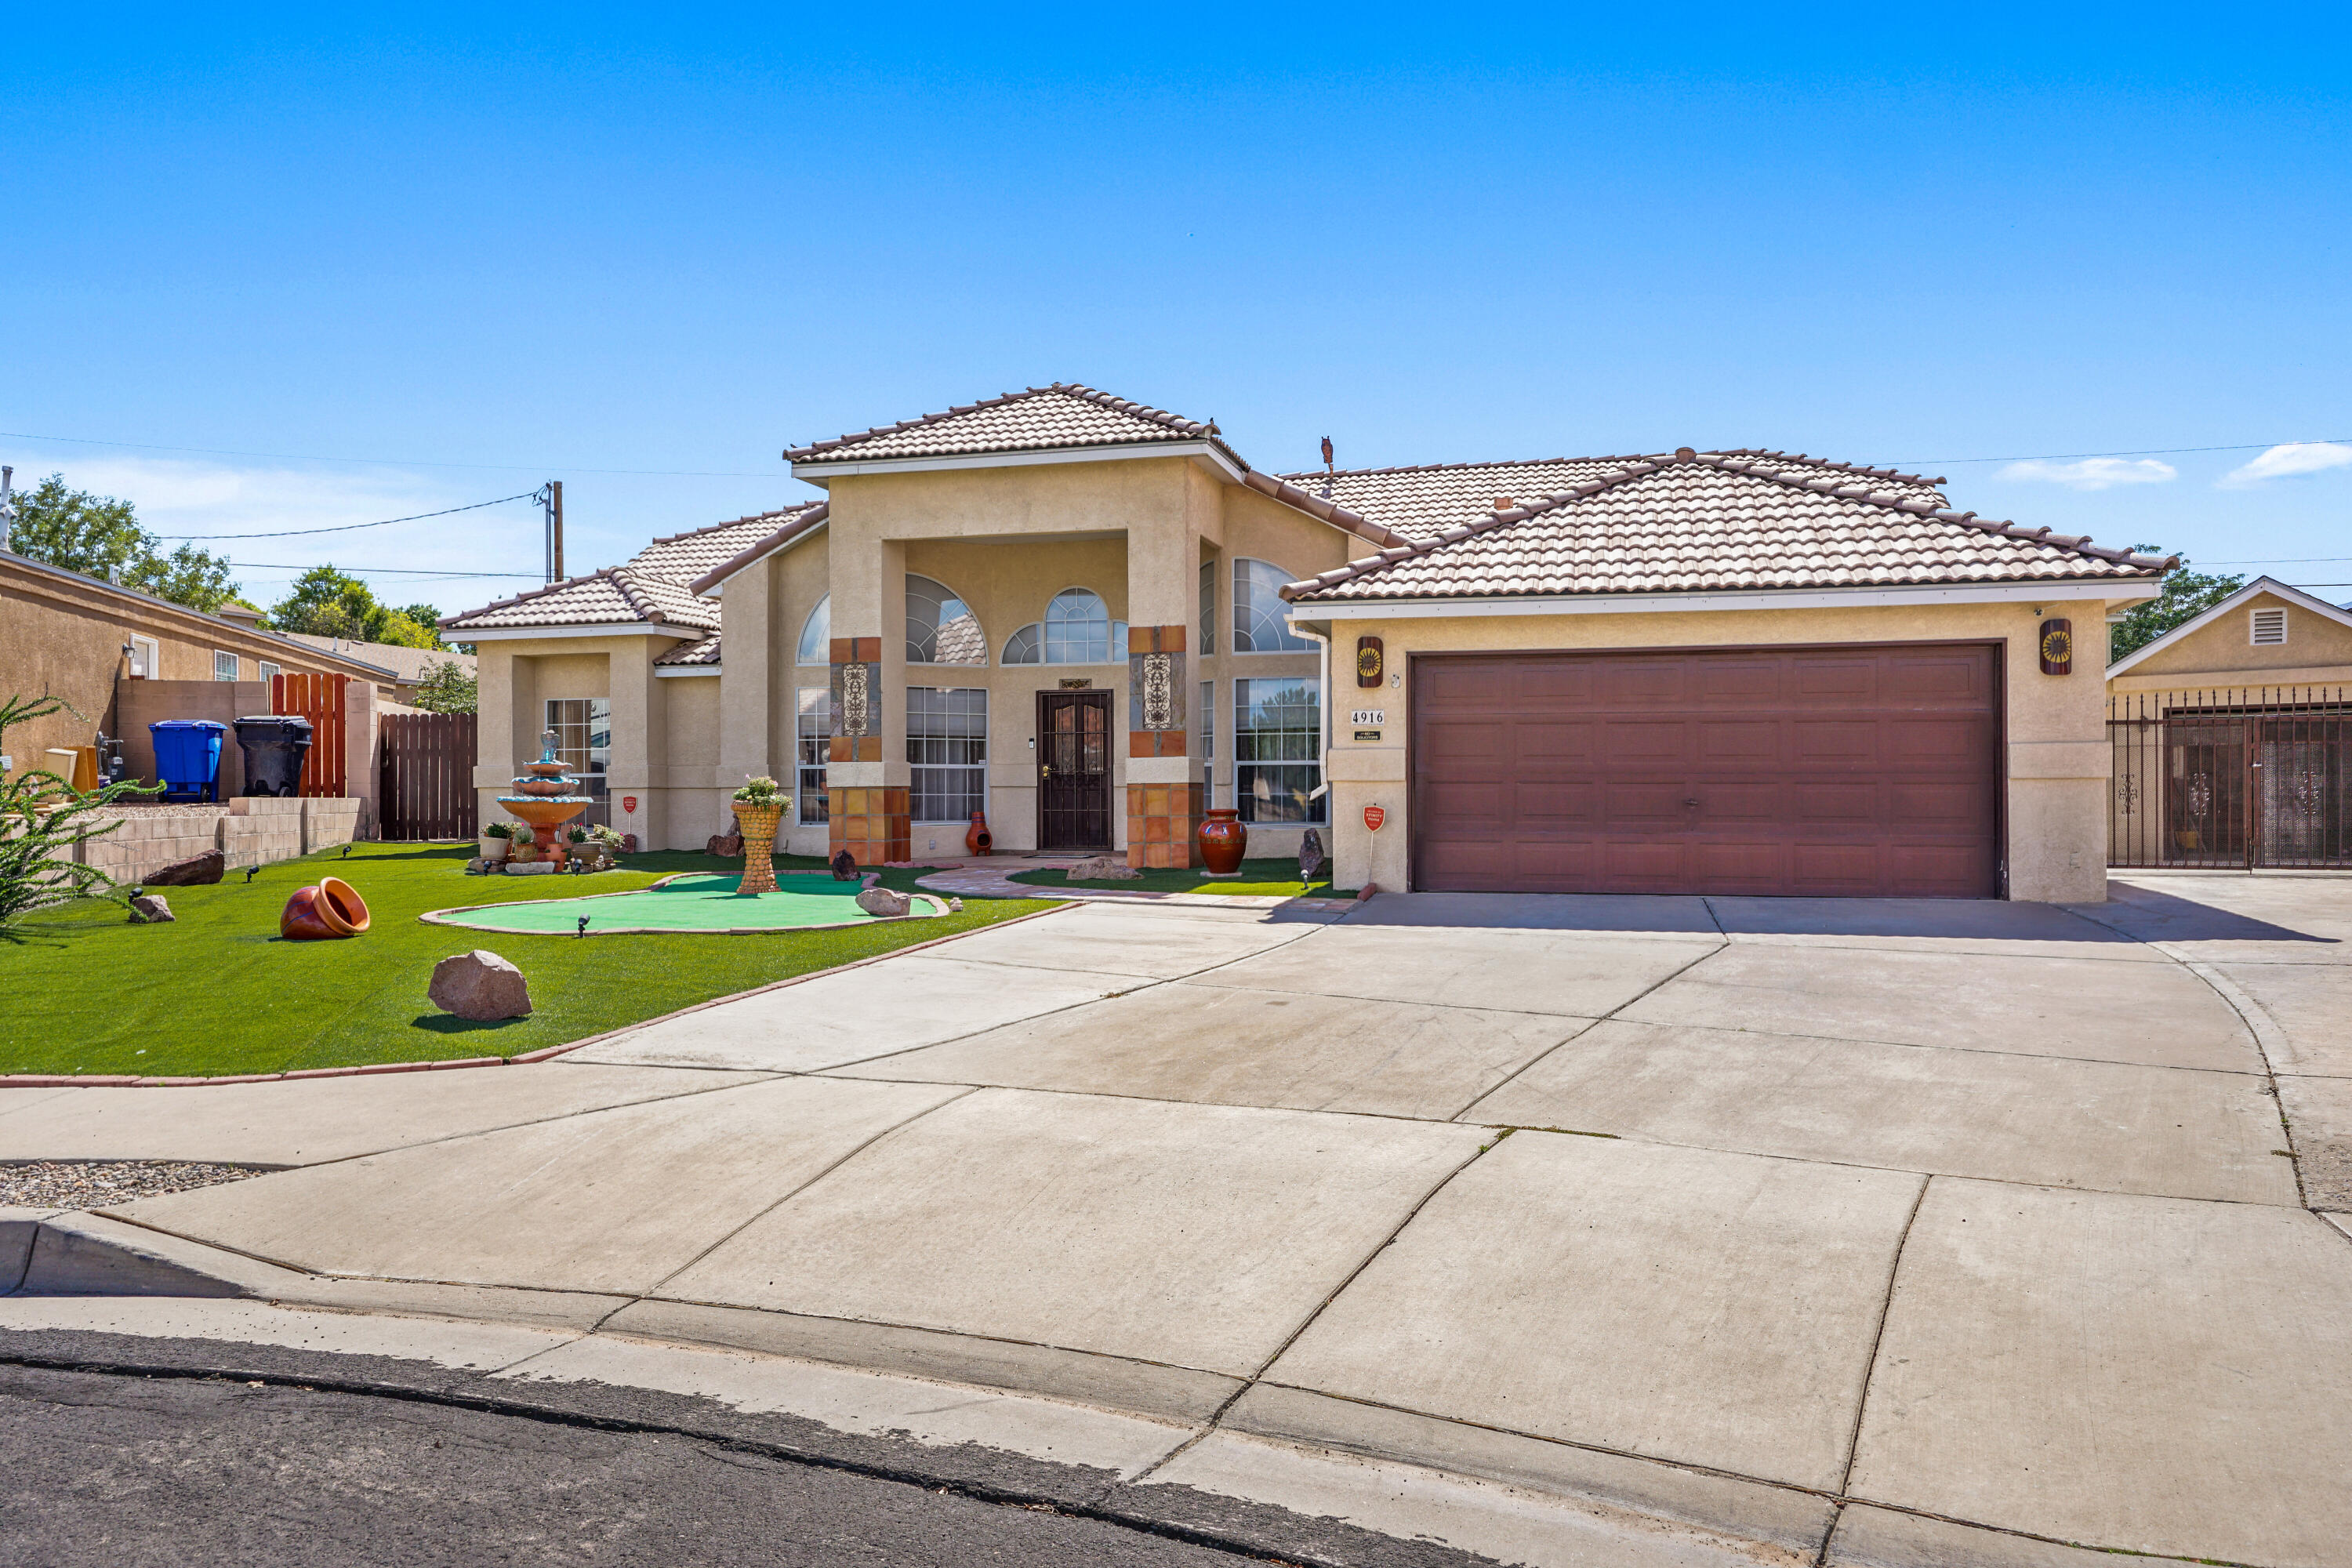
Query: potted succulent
{"type": "Point", "coordinates": [494, 840]}
{"type": "Point", "coordinates": [759, 807]}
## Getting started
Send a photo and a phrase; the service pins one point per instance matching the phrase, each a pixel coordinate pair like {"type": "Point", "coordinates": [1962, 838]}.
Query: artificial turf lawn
{"type": "Point", "coordinates": [1259, 878]}
{"type": "Point", "coordinates": [217, 991]}
{"type": "Point", "coordinates": [683, 903]}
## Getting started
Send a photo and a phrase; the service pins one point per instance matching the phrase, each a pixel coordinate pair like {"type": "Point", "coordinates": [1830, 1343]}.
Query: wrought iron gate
{"type": "Point", "coordinates": [2230, 779]}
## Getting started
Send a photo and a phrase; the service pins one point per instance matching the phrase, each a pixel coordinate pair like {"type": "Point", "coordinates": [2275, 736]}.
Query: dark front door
{"type": "Point", "coordinates": [1871, 770]}
{"type": "Point", "coordinates": [1073, 770]}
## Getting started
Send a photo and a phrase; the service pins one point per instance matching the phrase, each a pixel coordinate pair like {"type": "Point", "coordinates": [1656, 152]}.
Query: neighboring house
{"type": "Point", "coordinates": [2266, 634]}
{"type": "Point", "coordinates": [1725, 672]}
{"type": "Point", "coordinates": [85, 639]}
{"type": "Point", "coordinates": [409, 666]}
{"type": "Point", "coordinates": [2233, 737]}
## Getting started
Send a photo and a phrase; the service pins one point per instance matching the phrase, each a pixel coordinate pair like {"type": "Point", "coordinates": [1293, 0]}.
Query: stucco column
{"type": "Point", "coordinates": [746, 681]}
{"type": "Point", "coordinates": [1163, 794]}
{"type": "Point", "coordinates": [494, 731]}
{"type": "Point", "coordinates": [640, 735]}
{"type": "Point", "coordinates": [867, 775]}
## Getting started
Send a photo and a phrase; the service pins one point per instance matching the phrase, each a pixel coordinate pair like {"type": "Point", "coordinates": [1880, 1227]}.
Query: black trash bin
{"type": "Point", "coordinates": [274, 744]}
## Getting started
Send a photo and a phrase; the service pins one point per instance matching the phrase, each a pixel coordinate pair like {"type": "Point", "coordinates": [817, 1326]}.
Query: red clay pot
{"type": "Point", "coordinates": [1224, 841]}
{"type": "Point", "coordinates": [977, 840]}
{"type": "Point", "coordinates": [332, 909]}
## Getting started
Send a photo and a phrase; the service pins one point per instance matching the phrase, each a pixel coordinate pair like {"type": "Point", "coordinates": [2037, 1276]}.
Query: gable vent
{"type": "Point", "coordinates": [2269, 627]}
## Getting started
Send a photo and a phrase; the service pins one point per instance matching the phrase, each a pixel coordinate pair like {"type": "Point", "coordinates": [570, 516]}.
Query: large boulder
{"type": "Point", "coordinates": [479, 986]}
{"type": "Point", "coordinates": [1102, 869]}
{"type": "Point", "coordinates": [198, 871]}
{"type": "Point", "coordinates": [883, 903]}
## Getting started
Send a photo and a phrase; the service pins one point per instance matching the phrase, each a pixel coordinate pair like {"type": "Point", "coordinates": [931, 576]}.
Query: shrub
{"type": "Point", "coordinates": [43, 818]}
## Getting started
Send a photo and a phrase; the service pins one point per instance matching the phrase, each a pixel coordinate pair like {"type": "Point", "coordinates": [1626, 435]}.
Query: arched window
{"type": "Point", "coordinates": [816, 635]}
{"type": "Point", "coordinates": [1078, 630]}
{"type": "Point", "coordinates": [1258, 610]}
{"type": "Point", "coordinates": [940, 627]}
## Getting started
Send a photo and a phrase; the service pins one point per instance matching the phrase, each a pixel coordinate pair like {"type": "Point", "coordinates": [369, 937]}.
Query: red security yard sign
{"type": "Point", "coordinates": [629, 805]}
{"type": "Point", "coordinates": [1374, 815]}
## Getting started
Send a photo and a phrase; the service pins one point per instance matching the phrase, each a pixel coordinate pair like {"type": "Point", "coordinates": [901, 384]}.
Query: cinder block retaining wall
{"type": "Point", "coordinates": [252, 830]}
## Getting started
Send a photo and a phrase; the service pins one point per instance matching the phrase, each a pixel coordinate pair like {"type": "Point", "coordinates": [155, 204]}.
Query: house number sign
{"type": "Point", "coordinates": [1369, 716]}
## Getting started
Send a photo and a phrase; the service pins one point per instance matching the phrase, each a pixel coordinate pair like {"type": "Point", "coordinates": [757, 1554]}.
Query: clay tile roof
{"type": "Point", "coordinates": [1035, 419]}
{"type": "Point", "coordinates": [1695, 521]}
{"type": "Point", "coordinates": [790, 525]}
{"type": "Point", "coordinates": [1417, 501]}
{"type": "Point", "coordinates": [703, 652]}
{"type": "Point", "coordinates": [657, 585]}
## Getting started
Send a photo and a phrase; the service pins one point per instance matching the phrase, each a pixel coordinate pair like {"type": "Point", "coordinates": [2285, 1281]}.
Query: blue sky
{"type": "Point", "coordinates": [565, 242]}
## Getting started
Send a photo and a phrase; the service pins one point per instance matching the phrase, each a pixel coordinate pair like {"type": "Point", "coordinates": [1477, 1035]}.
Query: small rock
{"type": "Point", "coordinates": [1102, 869]}
{"type": "Point", "coordinates": [955, 906]}
{"type": "Point", "coordinates": [845, 867]}
{"type": "Point", "coordinates": [199, 872]}
{"type": "Point", "coordinates": [150, 909]}
{"type": "Point", "coordinates": [883, 903]}
{"type": "Point", "coordinates": [479, 986]}
{"type": "Point", "coordinates": [726, 845]}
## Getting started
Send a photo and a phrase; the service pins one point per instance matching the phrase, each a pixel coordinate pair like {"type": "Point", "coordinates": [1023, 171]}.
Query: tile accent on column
{"type": "Point", "coordinates": [1161, 820]}
{"type": "Point", "coordinates": [874, 823]}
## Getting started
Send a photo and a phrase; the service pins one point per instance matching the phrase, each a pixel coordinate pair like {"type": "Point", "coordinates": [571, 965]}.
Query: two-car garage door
{"type": "Point", "coordinates": [1853, 771]}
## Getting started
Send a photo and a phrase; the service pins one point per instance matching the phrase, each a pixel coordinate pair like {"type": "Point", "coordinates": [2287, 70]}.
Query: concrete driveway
{"type": "Point", "coordinates": [1863, 1232]}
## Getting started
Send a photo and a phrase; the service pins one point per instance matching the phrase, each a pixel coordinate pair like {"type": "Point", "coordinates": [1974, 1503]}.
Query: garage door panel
{"type": "Point", "coordinates": [1871, 770]}
{"type": "Point", "coordinates": [1834, 743]}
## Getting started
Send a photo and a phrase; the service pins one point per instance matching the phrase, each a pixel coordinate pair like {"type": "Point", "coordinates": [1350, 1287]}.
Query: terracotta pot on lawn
{"type": "Point", "coordinates": [977, 840]}
{"type": "Point", "coordinates": [758, 826]}
{"type": "Point", "coordinates": [1224, 841]}
{"type": "Point", "coordinates": [332, 909]}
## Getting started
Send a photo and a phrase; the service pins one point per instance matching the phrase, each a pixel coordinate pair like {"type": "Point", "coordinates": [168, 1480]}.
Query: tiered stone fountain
{"type": "Point", "coordinates": [546, 800]}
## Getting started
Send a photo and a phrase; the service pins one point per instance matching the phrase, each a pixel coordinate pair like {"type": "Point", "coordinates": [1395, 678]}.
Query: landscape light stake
{"type": "Point", "coordinates": [584, 927]}
{"type": "Point", "coordinates": [249, 872]}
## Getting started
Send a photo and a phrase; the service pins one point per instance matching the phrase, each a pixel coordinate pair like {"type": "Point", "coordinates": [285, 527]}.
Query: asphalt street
{"type": "Point", "coordinates": [126, 1470]}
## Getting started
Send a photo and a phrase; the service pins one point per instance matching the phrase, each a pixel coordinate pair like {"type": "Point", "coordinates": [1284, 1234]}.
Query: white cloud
{"type": "Point", "coordinates": [2093, 473]}
{"type": "Point", "coordinates": [2295, 458]}
{"type": "Point", "coordinates": [178, 497]}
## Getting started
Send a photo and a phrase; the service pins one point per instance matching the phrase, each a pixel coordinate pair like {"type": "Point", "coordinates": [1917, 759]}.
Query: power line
{"type": "Point", "coordinates": [2145, 452]}
{"type": "Point", "coordinates": [382, 571]}
{"type": "Point", "coordinates": [352, 527]}
{"type": "Point", "coordinates": [388, 462]}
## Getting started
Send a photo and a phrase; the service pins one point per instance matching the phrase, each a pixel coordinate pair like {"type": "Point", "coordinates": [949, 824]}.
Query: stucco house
{"type": "Point", "coordinates": [2233, 737]}
{"type": "Point", "coordinates": [1726, 671]}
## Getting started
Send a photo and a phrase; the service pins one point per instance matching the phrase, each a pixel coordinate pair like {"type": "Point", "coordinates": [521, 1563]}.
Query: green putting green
{"type": "Point", "coordinates": [681, 903]}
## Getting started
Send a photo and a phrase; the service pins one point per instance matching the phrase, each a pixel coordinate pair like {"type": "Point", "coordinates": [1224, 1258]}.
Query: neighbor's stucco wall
{"type": "Point", "coordinates": [64, 637]}
{"type": "Point", "coordinates": [2316, 651]}
{"type": "Point", "coordinates": [2056, 725]}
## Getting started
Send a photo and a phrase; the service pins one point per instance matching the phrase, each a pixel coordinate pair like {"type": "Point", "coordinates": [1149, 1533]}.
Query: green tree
{"type": "Point", "coordinates": [447, 687]}
{"type": "Point", "coordinates": [100, 536]}
{"type": "Point", "coordinates": [2186, 595]}
{"type": "Point", "coordinates": [326, 603]}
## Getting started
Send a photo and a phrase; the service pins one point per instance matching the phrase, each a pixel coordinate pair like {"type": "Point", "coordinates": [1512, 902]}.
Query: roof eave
{"type": "Point", "coordinates": [2054, 590]}
{"type": "Point", "coordinates": [2189, 628]}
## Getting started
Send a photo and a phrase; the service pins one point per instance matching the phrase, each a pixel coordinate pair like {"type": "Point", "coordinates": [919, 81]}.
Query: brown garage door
{"type": "Point", "coordinates": [1839, 770]}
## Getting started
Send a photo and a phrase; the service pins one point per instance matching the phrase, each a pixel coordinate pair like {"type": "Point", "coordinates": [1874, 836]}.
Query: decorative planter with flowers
{"type": "Point", "coordinates": [760, 804]}
{"type": "Point", "coordinates": [494, 842]}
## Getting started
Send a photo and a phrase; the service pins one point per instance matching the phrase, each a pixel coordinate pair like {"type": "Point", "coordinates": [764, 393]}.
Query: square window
{"type": "Point", "coordinates": [224, 666]}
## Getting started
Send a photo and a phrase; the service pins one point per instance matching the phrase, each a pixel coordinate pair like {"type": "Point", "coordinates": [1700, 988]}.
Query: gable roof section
{"type": "Point", "coordinates": [2237, 601]}
{"type": "Point", "coordinates": [1696, 522]}
{"type": "Point", "coordinates": [799, 522]}
{"type": "Point", "coordinates": [1060, 418]}
{"type": "Point", "coordinates": [1420, 500]}
{"type": "Point", "coordinates": [691, 654]}
{"type": "Point", "coordinates": [655, 586]}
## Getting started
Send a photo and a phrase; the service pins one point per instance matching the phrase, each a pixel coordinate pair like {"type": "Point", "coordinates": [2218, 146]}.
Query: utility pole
{"type": "Point", "coordinates": [550, 501]}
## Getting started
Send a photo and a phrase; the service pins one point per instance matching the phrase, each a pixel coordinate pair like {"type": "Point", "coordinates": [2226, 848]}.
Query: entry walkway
{"type": "Point", "coordinates": [1638, 1230]}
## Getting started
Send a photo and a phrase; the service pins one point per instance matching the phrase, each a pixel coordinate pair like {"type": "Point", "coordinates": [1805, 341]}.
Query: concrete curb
{"type": "Point", "coordinates": [545, 1053]}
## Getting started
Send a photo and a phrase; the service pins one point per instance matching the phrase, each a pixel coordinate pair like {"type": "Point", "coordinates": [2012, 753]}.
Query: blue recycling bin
{"type": "Point", "coordinates": [187, 757]}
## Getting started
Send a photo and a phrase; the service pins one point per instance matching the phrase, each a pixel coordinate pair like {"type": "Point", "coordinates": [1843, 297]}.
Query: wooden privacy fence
{"type": "Point", "coordinates": [321, 699]}
{"type": "Point", "coordinates": [2232, 778]}
{"type": "Point", "coordinates": [427, 785]}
